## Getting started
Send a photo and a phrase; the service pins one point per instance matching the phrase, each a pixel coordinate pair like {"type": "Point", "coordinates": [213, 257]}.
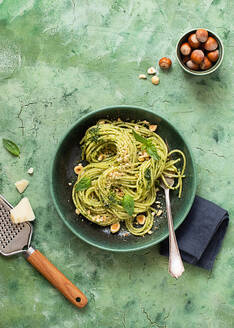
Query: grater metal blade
{"type": "Point", "coordinates": [13, 237]}
{"type": "Point", "coordinates": [16, 238]}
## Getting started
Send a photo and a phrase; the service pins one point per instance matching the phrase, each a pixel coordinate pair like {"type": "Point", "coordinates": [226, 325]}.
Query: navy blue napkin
{"type": "Point", "coordinates": [201, 234]}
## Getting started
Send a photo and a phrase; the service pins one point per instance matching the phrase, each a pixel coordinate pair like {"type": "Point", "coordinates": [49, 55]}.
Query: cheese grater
{"type": "Point", "coordinates": [16, 238]}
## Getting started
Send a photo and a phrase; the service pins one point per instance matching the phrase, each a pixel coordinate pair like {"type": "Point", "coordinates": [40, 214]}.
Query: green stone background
{"type": "Point", "coordinates": [76, 56]}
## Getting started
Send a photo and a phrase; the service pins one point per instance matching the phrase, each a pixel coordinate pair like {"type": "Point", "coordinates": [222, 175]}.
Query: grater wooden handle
{"type": "Point", "coordinates": [56, 278]}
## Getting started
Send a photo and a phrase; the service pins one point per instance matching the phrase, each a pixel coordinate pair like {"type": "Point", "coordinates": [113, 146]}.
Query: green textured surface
{"type": "Point", "coordinates": [68, 58]}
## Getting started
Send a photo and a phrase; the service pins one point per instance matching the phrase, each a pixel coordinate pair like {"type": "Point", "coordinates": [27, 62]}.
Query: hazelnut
{"type": "Point", "coordinates": [100, 157]}
{"type": "Point", "coordinates": [185, 49]}
{"type": "Point", "coordinates": [165, 63]}
{"type": "Point", "coordinates": [190, 64]}
{"type": "Point", "coordinates": [193, 41]}
{"type": "Point", "coordinates": [142, 77]}
{"type": "Point", "coordinates": [213, 55]}
{"type": "Point", "coordinates": [155, 80]}
{"type": "Point", "coordinates": [140, 219]}
{"type": "Point", "coordinates": [197, 56]}
{"type": "Point", "coordinates": [151, 71]}
{"type": "Point", "coordinates": [211, 44]}
{"type": "Point", "coordinates": [115, 227]}
{"type": "Point", "coordinates": [206, 64]}
{"type": "Point", "coordinates": [78, 168]}
{"type": "Point", "coordinates": [202, 35]}
{"type": "Point", "coordinates": [152, 127]}
{"type": "Point", "coordinates": [141, 158]}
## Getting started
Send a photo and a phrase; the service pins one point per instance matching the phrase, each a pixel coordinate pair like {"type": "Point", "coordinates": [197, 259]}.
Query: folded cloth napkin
{"type": "Point", "coordinates": [201, 234]}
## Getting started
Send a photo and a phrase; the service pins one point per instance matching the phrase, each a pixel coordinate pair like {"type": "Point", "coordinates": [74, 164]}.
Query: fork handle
{"type": "Point", "coordinates": [175, 266]}
{"type": "Point", "coordinates": [56, 278]}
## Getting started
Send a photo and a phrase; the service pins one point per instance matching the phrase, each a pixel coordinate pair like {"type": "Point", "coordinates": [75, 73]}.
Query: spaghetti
{"type": "Point", "coordinates": [126, 163]}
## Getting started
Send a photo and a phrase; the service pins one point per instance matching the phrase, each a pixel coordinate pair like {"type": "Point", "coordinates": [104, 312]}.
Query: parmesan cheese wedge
{"type": "Point", "coordinates": [21, 185]}
{"type": "Point", "coordinates": [22, 212]}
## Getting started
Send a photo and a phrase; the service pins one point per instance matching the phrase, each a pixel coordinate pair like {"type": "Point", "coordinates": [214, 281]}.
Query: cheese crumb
{"type": "Point", "coordinates": [30, 171]}
{"type": "Point", "coordinates": [22, 212]}
{"type": "Point", "coordinates": [21, 185]}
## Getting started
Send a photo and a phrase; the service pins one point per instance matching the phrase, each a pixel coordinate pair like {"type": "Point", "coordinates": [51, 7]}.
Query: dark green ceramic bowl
{"type": "Point", "coordinates": [68, 154]}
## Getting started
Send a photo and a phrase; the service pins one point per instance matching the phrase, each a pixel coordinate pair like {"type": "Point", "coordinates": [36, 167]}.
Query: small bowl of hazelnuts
{"type": "Point", "coordinates": [200, 51]}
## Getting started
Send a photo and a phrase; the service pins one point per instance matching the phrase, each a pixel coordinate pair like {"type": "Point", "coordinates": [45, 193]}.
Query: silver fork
{"type": "Point", "coordinates": [175, 265]}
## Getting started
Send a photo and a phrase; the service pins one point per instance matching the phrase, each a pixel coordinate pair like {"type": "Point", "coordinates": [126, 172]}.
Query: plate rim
{"type": "Point", "coordinates": [61, 215]}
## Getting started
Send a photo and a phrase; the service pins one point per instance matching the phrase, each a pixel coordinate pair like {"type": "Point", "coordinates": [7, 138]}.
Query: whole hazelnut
{"type": "Point", "coordinates": [206, 64]}
{"type": "Point", "coordinates": [190, 64]}
{"type": "Point", "coordinates": [197, 56]}
{"type": "Point", "coordinates": [211, 44]}
{"type": "Point", "coordinates": [202, 35]}
{"type": "Point", "coordinates": [193, 41]}
{"type": "Point", "coordinates": [185, 49]}
{"type": "Point", "coordinates": [165, 63]}
{"type": "Point", "coordinates": [213, 55]}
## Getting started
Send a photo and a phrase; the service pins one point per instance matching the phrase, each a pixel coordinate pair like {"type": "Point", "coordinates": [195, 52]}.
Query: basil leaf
{"type": "Point", "coordinates": [83, 184]}
{"type": "Point", "coordinates": [94, 132]}
{"type": "Point", "coordinates": [148, 145]}
{"type": "Point", "coordinates": [139, 138]}
{"type": "Point", "coordinates": [11, 147]}
{"type": "Point", "coordinates": [147, 174]}
{"type": "Point", "coordinates": [152, 151]}
{"type": "Point", "coordinates": [128, 204]}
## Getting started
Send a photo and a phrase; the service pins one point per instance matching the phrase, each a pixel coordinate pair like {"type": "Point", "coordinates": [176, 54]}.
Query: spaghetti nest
{"type": "Point", "coordinates": [126, 163]}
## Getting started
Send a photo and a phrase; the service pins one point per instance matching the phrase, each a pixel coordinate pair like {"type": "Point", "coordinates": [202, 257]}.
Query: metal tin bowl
{"type": "Point", "coordinates": [184, 38]}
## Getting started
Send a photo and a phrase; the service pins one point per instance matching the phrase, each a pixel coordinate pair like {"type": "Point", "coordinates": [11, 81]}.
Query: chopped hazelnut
{"type": "Point", "coordinates": [152, 128]}
{"type": "Point", "coordinates": [100, 157]}
{"type": "Point", "coordinates": [142, 77]}
{"type": "Point", "coordinates": [77, 211]}
{"type": "Point", "coordinates": [115, 227]}
{"type": "Point", "coordinates": [141, 158]}
{"type": "Point", "coordinates": [151, 71]}
{"type": "Point", "coordinates": [78, 168]}
{"type": "Point", "coordinates": [141, 219]}
{"type": "Point", "coordinates": [155, 80]}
